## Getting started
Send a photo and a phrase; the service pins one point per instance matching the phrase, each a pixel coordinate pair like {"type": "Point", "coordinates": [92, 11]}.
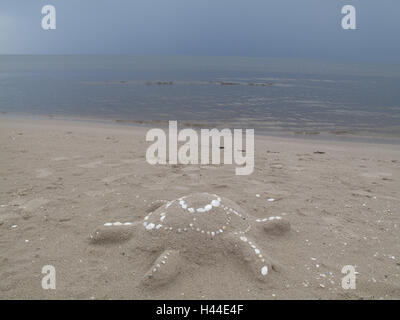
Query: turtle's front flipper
{"type": "Point", "coordinates": [112, 233]}
{"type": "Point", "coordinates": [275, 226]}
{"type": "Point", "coordinates": [165, 269]}
{"type": "Point", "coordinates": [246, 250]}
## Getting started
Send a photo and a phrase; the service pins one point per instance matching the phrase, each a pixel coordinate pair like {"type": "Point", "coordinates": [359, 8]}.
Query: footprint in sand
{"type": "Point", "coordinates": [43, 173]}
{"type": "Point", "coordinates": [3, 208]}
{"type": "Point", "coordinates": [29, 205]}
{"type": "Point", "coordinates": [376, 174]}
{"type": "Point", "coordinates": [90, 165]}
{"type": "Point", "coordinates": [99, 193]}
{"type": "Point", "coordinates": [116, 177]}
{"type": "Point", "coordinates": [123, 163]}
{"type": "Point", "coordinates": [59, 159]}
{"type": "Point", "coordinates": [34, 204]}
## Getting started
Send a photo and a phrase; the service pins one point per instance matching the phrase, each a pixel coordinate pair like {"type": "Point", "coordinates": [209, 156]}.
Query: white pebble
{"type": "Point", "coordinates": [215, 203]}
{"type": "Point", "coordinates": [150, 226]}
{"type": "Point", "coordinates": [264, 270]}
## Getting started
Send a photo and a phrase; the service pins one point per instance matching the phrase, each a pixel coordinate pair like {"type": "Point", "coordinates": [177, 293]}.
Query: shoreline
{"type": "Point", "coordinates": [278, 134]}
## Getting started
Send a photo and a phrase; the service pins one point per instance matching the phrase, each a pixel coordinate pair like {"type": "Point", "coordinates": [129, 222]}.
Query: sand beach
{"type": "Point", "coordinates": [62, 180]}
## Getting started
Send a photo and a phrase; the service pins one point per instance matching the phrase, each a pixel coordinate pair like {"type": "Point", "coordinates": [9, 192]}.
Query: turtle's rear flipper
{"type": "Point", "coordinates": [248, 252]}
{"type": "Point", "coordinates": [164, 270]}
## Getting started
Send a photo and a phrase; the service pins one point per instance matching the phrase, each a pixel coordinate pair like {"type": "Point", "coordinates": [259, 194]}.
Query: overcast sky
{"type": "Point", "coordinates": [270, 28]}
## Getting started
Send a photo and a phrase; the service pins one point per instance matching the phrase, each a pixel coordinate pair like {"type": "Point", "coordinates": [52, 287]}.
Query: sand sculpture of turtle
{"type": "Point", "coordinates": [192, 229]}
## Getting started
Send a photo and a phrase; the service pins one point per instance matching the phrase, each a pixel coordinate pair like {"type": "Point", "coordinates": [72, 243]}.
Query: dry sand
{"type": "Point", "coordinates": [61, 180]}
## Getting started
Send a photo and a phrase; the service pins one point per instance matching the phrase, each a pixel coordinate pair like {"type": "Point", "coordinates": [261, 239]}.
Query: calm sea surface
{"type": "Point", "coordinates": [276, 96]}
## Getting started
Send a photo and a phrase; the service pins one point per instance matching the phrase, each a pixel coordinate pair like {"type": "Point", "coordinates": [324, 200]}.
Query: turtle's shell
{"type": "Point", "coordinates": [202, 213]}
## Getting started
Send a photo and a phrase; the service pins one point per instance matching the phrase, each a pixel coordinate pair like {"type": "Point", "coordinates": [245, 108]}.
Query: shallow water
{"type": "Point", "coordinates": [305, 98]}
